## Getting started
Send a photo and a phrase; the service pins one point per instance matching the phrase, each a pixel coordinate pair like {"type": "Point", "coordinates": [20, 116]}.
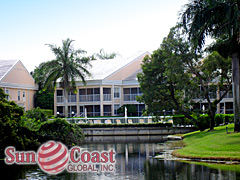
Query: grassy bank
{"type": "Point", "coordinates": [216, 145]}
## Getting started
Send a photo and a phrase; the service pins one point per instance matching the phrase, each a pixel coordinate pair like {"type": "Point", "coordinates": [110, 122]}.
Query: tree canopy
{"type": "Point", "coordinates": [67, 67]}
{"type": "Point", "coordinates": [176, 78]}
{"type": "Point", "coordinates": [217, 19]}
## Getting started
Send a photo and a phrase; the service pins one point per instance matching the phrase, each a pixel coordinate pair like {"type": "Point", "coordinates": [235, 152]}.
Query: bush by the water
{"type": "Point", "coordinates": [28, 131]}
{"type": "Point", "coordinates": [181, 120]}
{"type": "Point", "coordinates": [38, 114]}
{"type": "Point", "coordinates": [60, 130]}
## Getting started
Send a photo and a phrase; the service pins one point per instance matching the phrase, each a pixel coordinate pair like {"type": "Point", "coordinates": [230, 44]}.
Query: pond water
{"type": "Point", "coordinates": [134, 160]}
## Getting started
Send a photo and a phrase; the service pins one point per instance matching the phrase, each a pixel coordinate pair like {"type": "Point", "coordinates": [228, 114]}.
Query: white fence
{"type": "Point", "coordinates": [119, 120]}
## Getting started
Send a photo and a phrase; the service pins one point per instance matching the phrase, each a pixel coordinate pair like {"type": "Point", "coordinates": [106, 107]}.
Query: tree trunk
{"type": "Point", "coordinates": [212, 122]}
{"type": "Point", "coordinates": [236, 100]}
{"type": "Point", "coordinates": [65, 103]}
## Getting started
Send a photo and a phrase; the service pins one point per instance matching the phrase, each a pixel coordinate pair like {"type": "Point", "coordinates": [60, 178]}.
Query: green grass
{"type": "Point", "coordinates": [212, 145]}
{"type": "Point", "coordinates": [223, 167]}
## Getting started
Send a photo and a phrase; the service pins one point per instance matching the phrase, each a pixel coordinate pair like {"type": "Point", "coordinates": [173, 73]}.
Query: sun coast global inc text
{"type": "Point", "coordinates": [54, 157]}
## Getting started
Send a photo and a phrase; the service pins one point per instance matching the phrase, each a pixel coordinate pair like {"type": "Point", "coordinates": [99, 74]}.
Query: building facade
{"type": "Point", "coordinates": [16, 81]}
{"type": "Point", "coordinates": [224, 107]}
{"type": "Point", "coordinates": [113, 83]}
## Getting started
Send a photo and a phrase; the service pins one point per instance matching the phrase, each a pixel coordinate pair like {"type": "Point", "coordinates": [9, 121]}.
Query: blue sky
{"type": "Point", "coordinates": [123, 26]}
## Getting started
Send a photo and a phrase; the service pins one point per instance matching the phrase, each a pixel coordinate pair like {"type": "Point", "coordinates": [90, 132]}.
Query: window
{"type": "Point", "coordinates": [19, 95]}
{"type": "Point", "coordinates": [82, 91]}
{"type": "Point", "coordinates": [126, 91]}
{"type": "Point", "coordinates": [24, 96]}
{"type": "Point", "coordinates": [59, 92]}
{"type": "Point", "coordinates": [107, 110]}
{"type": "Point", "coordinates": [116, 107]}
{"type": "Point", "coordinates": [96, 90]}
{"type": "Point", "coordinates": [106, 90]}
{"type": "Point", "coordinates": [7, 92]}
{"type": "Point", "coordinates": [116, 92]}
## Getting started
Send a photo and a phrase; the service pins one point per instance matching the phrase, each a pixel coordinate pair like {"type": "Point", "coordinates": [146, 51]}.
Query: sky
{"type": "Point", "coordinates": [122, 26]}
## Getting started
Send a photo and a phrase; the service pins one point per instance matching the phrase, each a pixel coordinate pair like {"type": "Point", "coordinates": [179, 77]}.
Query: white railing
{"type": "Point", "coordinates": [60, 99]}
{"type": "Point", "coordinates": [72, 98]}
{"type": "Point", "coordinates": [120, 120]}
{"type": "Point", "coordinates": [130, 97]}
{"type": "Point", "coordinates": [89, 98]}
{"type": "Point", "coordinates": [107, 97]}
{"type": "Point", "coordinates": [228, 95]}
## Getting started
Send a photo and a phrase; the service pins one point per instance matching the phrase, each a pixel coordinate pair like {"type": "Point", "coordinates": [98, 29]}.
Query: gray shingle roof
{"type": "Point", "coordinates": [5, 66]}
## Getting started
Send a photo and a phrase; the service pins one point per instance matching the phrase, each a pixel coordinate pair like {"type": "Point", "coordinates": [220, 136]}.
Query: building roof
{"type": "Point", "coordinates": [133, 76]}
{"type": "Point", "coordinates": [101, 69]}
{"type": "Point", "coordinates": [6, 66]}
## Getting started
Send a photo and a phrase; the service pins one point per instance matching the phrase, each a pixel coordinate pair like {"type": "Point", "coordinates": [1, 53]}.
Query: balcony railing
{"type": "Point", "coordinates": [107, 97]}
{"type": "Point", "coordinates": [212, 95]}
{"type": "Point", "coordinates": [228, 95]}
{"type": "Point", "coordinates": [60, 99]}
{"type": "Point", "coordinates": [130, 97]}
{"type": "Point", "coordinates": [227, 111]}
{"type": "Point", "coordinates": [72, 98]}
{"type": "Point", "coordinates": [89, 98]}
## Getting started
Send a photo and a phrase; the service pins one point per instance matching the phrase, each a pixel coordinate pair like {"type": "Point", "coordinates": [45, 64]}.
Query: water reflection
{"type": "Point", "coordinates": [134, 161]}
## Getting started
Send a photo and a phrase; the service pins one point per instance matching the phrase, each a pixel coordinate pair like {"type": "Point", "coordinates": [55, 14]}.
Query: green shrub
{"type": "Point", "coordinates": [48, 112]}
{"type": "Point", "coordinates": [203, 122]}
{"type": "Point", "coordinates": [229, 118]}
{"type": "Point", "coordinates": [219, 119]}
{"type": "Point", "coordinates": [60, 130]}
{"type": "Point", "coordinates": [37, 114]}
{"type": "Point", "coordinates": [44, 99]}
{"type": "Point", "coordinates": [181, 120]}
{"type": "Point", "coordinates": [11, 131]}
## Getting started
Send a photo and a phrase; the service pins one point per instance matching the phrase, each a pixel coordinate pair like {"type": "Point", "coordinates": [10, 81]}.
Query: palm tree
{"type": "Point", "coordinates": [66, 67]}
{"type": "Point", "coordinates": [216, 18]}
{"type": "Point", "coordinates": [103, 55]}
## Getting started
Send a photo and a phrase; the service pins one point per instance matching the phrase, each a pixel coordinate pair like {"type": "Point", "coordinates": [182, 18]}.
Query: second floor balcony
{"type": "Point", "coordinates": [228, 95]}
{"type": "Point", "coordinates": [107, 97]}
{"type": "Point", "coordinates": [89, 98]}
{"type": "Point", "coordinates": [72, 98]}
{"type": "Point", "coordinates": [60, 99]}
{"type": "Point", "coordinates": [130, 97]}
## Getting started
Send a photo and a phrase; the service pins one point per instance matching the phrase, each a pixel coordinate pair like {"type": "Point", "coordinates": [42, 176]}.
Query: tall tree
{"type": "Point", "coordinates": [217, 18]}
{"type": "Point", "coordinates": [164, 81]}
{"type": "Point", "coordinates": [67, 66]}
{"type": "Point", "coordinates": [173, 75]}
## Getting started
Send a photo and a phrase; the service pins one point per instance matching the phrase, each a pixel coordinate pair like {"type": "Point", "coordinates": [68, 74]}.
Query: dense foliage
{"type": "Point", "coordinates": [61, 130]}
{"type": "Point", "coordinates": [219, 20]}
{"type": "Point", "coordinates": [131, 109]}
{"type": "Point", "coordinates": [44, 99]}
{"type": "Point", "coordinates": [176, 78]}
{"type": "Point", "coordinates": [203, 120]}
{"type": "Point", "coordinates": [27, 131]}
{"type": "Point", "coordinates": [11, 131]}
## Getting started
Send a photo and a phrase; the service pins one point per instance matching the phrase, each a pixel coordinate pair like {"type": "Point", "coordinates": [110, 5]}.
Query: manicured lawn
{"type": "Point", "coordinates": [223, 167]}
{"type": "Point", "coordinates": [213, 145]}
